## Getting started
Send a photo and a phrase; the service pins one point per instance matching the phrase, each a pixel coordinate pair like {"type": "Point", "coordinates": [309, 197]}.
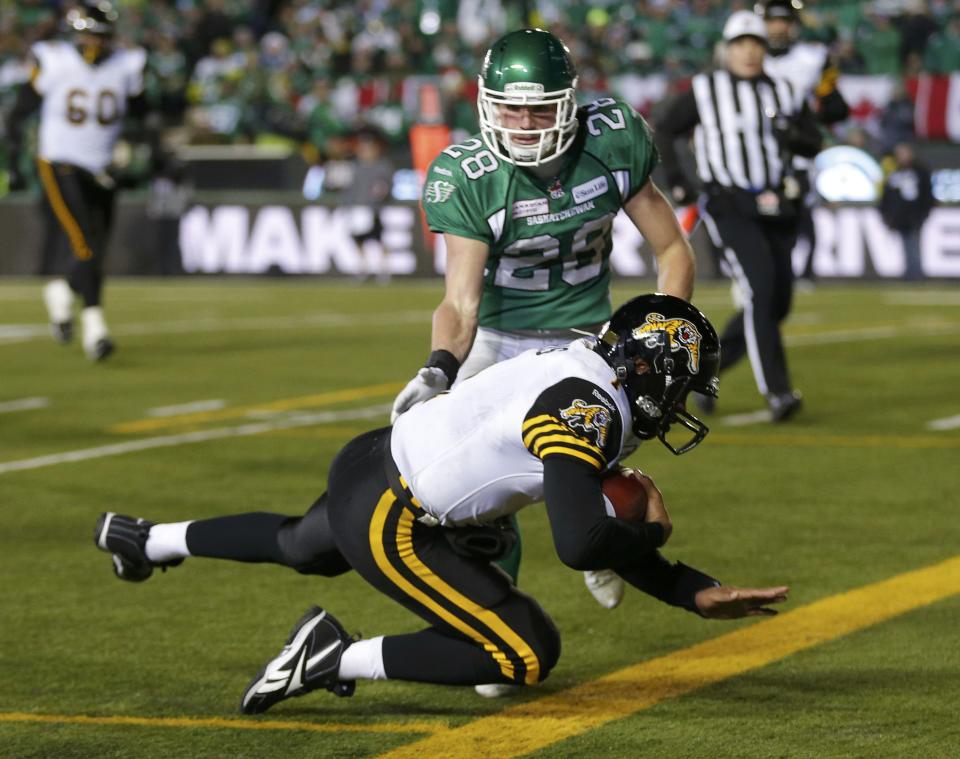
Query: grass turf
{"type": "Point", "coordinates": [854, 490]}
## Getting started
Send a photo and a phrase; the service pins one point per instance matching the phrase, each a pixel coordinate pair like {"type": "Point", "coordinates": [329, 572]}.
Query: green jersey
{"type": "Point", "coordinates": [550, 240]}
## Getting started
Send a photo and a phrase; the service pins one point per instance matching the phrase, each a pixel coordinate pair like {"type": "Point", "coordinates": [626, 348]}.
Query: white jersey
{"type": "Point", "coordinates": [476, 453]}
{"type": "Point", "coordinates": [83, 104]}
{"type": "Point", "coordinates": [802, 65]}
{"type": "Point", "coordinates": [490, 346]}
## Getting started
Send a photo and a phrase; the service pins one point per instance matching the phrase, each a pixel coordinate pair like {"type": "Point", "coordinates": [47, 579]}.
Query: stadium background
{"type": "Point", "coordinates": [261, 104]}
{"type": "Point", "coordinates": [234, 393]}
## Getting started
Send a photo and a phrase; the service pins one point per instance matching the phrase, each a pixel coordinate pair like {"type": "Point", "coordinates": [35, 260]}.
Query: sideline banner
{"type": "Point", "coordinates": [296, 237]}
{"type": "Point", "coordinates": [852, 242]}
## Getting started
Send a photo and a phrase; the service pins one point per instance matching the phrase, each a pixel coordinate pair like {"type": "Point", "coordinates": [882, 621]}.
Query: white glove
{"type": "Point", "coordinates": [428, 382]}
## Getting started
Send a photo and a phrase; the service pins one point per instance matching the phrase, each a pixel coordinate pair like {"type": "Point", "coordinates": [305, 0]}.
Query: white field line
{"type": "Point", "coordinates": [924, 298]}
{"type": "Point", "coordinates": [218, 433]}
{"type": "Point", "coordinates": [948, 423]}
{"type": "Point", "coordinates": [214, 404]}
{"type": "Point", "coordinates": [875, 333]}
{"type": "Point", "coordinates": [23, 404]}
{"type": "Point", "coordinates": [742, 420]}
{"type": "Point", "coordinates": [14, 333]}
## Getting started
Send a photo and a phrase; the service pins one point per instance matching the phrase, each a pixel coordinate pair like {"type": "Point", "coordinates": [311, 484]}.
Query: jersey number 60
{"type": "Point", "coordinates": [107, 106]}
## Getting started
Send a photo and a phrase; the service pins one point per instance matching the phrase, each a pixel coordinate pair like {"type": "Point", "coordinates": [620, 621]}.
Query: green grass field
{"type": "Point", "coordinates": [856, 490]}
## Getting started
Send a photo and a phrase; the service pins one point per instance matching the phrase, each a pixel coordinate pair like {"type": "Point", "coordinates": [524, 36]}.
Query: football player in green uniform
{"type": "Point", "coordinates": [526, 211]}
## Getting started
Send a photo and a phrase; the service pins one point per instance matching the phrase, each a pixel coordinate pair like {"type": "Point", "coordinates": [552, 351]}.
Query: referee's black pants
{"type": "Point", "coordinates": [482, 629]}
{"type": "Point", "coordinates": [757, 252]}
{"type": "Point", "coordinates": [83, 210]}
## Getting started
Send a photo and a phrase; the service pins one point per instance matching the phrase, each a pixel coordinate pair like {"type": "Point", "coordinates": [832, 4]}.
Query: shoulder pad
{"type": "Point", "coordinates": [136, 58]}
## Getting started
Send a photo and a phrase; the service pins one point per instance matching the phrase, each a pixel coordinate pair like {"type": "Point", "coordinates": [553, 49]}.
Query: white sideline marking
{"type": "Point", "coordinates": [218, 433]}
{"type": "Point", "coordinates": [23, 404]}
{"type": "Point", "coordinates": [925, 327]}
{"type": "Point", "coordinates": [12, 333]}
{"type": "Point", "coordinates": [925, 298]}
{"type": "Point", "coordinates": [187, 408]}
{"type": "Point", "coordinates": [948, 423]}
{"type": "Point", "coordinates": [16, 333]}
{"type": "Point", "coordinates": [742, 420]}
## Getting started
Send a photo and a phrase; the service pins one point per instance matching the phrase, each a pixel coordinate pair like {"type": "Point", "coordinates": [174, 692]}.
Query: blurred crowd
{"type": "Point", "coordinates": [312, 72]}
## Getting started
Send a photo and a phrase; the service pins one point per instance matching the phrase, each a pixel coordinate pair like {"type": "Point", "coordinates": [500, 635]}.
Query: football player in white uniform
{"type": "Point", "coordinates": [526, 209]}
{"type": "Point", "coordinates": [810, 69]}
{"type": "Point", "coordinates": [83, 88]}
{"type": "Point", "coordinates": [418, 510]}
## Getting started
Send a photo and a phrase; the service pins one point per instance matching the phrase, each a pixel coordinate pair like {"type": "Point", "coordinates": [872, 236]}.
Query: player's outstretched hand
{"type": "Point", "coordinates": [428, 382]}
{"type": "Point", "coordinates": [727, 602]}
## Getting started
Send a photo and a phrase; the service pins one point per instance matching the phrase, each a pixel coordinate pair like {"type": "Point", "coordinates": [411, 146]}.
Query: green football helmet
{"type": "Point", "coordinates": [530, 68]}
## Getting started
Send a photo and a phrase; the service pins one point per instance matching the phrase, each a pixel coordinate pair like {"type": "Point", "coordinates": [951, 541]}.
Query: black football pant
{"type": "Point", "coordinates": [482, 629]}
{"type": "Point", "coordinates": [82, 209]}
{"type": "Point", "coordinates": [757, 252]}
{"type": "Point", "coordinates": [807, 233]}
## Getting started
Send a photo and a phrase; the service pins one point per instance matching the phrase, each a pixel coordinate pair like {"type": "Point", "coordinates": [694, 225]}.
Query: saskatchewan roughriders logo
{"type": "Point", "coordinates": [438, 191]}
{"type": "Point", "coordinates": [594, 420]}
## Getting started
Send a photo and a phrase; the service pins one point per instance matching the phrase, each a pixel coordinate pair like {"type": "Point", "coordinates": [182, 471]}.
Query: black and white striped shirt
{"type": "Point", "coordinates": [733, 121]}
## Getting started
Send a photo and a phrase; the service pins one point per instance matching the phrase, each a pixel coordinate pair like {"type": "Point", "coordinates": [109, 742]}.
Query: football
{"type": "Point", "coordinates": [626, 494]}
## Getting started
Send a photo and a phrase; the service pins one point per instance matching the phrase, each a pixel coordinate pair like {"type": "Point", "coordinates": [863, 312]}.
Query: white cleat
{"type": "Point", "coordinates": [606, 586]}
{"type": "Point", "coordinates": [58, 299]}
{"type": "Point", "coordinates": [96, 342]}
{"type": "Point", "coordinates": [496, 690]}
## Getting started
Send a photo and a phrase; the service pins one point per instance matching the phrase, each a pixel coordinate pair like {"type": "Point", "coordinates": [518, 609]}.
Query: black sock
{"type": "Point", "coordinates": [430, 656]}
{"type": "Point", "coordinates": [240, 537]}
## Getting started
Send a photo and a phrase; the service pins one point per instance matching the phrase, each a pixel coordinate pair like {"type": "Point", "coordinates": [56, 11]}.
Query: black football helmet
{"type": "Point", "coordinates": [93, 17]}
{"type": "Point", "coordinates": [661, 348]}
{"type": "Point", "coordinates": [788, 9]}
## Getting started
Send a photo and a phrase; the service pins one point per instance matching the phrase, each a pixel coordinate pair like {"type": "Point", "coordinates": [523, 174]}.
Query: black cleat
{"type": "Point", "coordinates": [126, 538]}
{"type": "Point", "coordinates": [784, 405]}
{"type": "Point", "coordinates": [62, 332]}
{"type": "Point", "coordinates": [309, 660]}
{"type": "Point", "coordinates": [101, 349]}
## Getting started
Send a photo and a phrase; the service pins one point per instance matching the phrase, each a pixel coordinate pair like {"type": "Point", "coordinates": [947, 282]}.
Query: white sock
{"type": "Point", "coordinates": [58, 298]}
{"type": "Point", "coordinates": [363, 660]}
{"type": "Point", "coordinates": [167, 542]}
{"type": "Point", "coordinates": [94, 325]}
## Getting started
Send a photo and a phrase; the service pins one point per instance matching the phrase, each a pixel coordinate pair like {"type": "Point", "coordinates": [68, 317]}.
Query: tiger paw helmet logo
{"type": "Point", "coordinates": [590, 418]}
{"type": "Point", "coordinates": [683, 336]}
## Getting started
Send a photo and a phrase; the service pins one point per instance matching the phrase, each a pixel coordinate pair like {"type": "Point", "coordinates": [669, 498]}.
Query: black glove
{"type": "Point", "coordinates": [15, 180]}
{"type": "Point", "coordinates": [798, 135]}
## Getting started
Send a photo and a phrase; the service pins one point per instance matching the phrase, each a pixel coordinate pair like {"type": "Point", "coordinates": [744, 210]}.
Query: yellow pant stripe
{"type": "Point", "coordinates": [377, 527]}
{"type": "Point", "coordinates": [475, 610]}
{"type": "Point", "coordinates": [78, 244]}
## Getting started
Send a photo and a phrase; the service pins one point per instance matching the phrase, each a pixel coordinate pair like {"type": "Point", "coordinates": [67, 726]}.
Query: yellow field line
{"type": "Point", "coordinates": [838, 441]}
{"type": "Point", "coordinates": [229, 724]}
{"type": "Point", "coordinates": [530, 727]}
{"type": "Point", "coordinates": [242, 412]}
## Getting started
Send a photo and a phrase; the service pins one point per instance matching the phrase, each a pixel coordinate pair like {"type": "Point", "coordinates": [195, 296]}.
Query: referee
{"type": "Point", "coordinates": [746, 128]}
